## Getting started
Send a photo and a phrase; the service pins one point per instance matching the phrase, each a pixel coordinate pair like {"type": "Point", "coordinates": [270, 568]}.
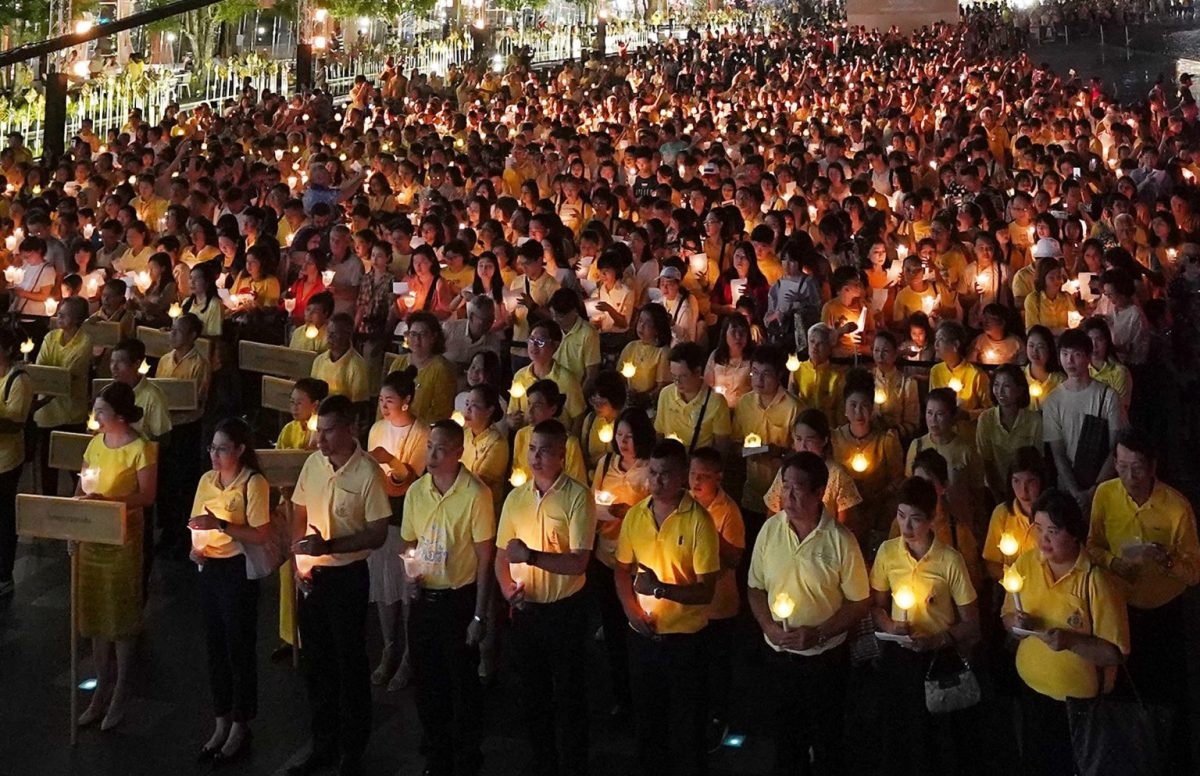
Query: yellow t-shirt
{"type": "Point", "coordinates": [346, 376]}
{"type": "Point", "coordinates": [626, 487]}
{"type": "Point", "coordinates": [193, 366]}
{"type": "Point", "coordinates": [245, 501]}
{"type": "Point", "coordinates": [76, 357]}
{"type": "Point", "coordinates": [119, 465]}
{"type": "Point", "coordinates": [731, 529]}
{"type": "Point", "coordinates": [301, 340]}
{"type": "Point", "coordinates": [974, 392]}
{"type": "Point", "coordinates": [568, 384]}
{"type": "Point", "coordinates": [1084, 600]}
{"type": "Point", "coordinates": [820, 387]}
{"type": "Point", "coordinates": [340, 502]}
{"type": "Point", "coordinates": [1166, 518]}
{"type": "Point", "coordinates": [16, 397]}
{"type": "Point", "coordinates": [883, 462]}
{"type": "Point", "coordinates": [818, 574]}
{"type": "Point", "coordinates": [295, 436]}
{"type": "Point", "coordinates": [908, 302]}
{"type": "Point", "coordinates": [679, 418]}
{"type": "Point", "coordinates": [1051, 313]}
{"type": "Point", "coordinates": [446, 527]}
{"type": "Point", "coordinates": [679, 552]}
{"type": "Point", "coordinates": [460, 279]}
{"type": "Point", "coordinates": [939, 582]}
{"type": "Point", "coordinates": [156, 419]}
{"type": "Point", "coordinates": [1008, 518]}
{"type": "Point", "coordinates": [560, 521]}
{"type": "Point", "coordinates": [265, 290]}
{"type": "Point", "coordinates": [998, 445]}
{"type": "Point", "coordinates": [650, 362]}
{"type": "Point", "coordinates": [436, 383]}
{"type": "Point", "coordinates": [580, 349]}
{"type": "Point", "coordinates": [486, 456]}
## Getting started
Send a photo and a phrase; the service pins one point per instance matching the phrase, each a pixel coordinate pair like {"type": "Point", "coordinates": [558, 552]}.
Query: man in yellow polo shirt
{"type": "Point", "coordinates": [579, 350]}
{"type": "Point", "coordinates": [341, 367]}
{"type": "Point", "coordinates": [807, 586]}
{"type": "Point", "coordinates": [447, 536]}
{"type": "Point", "coordinates": [341, 514]}
{"type": "Point", "coordinates": [544, 541]}
{"type": "Point", "coordinates": [533, 289]}
{"type": "Point", "coordinates": [667, 561]}
{"type": "Point", "coordinates": [688, 410]}
{"type": "Point", "coordinates": [70, 348]}
{"type": "Point", "coordinates": [1144, 532]}
{"type": "Point", "coordinates": [125, 362]}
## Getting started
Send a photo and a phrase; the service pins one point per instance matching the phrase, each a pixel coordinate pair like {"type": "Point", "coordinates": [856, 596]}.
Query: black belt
{"type": "Point", "coordinates": [433, 595]}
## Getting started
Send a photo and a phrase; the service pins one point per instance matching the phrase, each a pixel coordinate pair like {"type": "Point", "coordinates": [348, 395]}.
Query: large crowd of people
{"type": "Point", "coordinates": [862, 341]}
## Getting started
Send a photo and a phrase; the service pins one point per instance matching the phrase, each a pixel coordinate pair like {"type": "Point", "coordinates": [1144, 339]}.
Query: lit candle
{"type": "Point", "coordinates": [175, 310]}
{"type": "Point", "coordinates": [14, 275]}
{"type": "Point", "coordinates": [782, 607]}
{"type": "Point", "coordinates": [812, 212]}
{"type": "Point", "coordinates": [289, 305]}
{"type": "Point", "coordinates": [27, 347]}
{"type": "Point", "coordinates": [1035, 390]}
{"type": "Point", "coordinates": [458, 418]}
{"type": "Point", "coordinates": [517, 391]}
{"type": "Point", "coordinates": [1074, 319]}
{"type": "Point", "coordinates": [312, 423]}
{"type": "Point", "coordinates": [10, 243]}
{"type": "Point", "coordinates": [292, 180]}
{"type": "Point", "coordinates": [902, 251]}
{"type": "Point", "coordinates": [905, 599]}
{"type": "Point", "coordinates": [1009, 545]}
{"type": "Point", "coordinates": [752, 440]}
{"type": "Point", "coordinates": [327, 277]}
{"type": "Point", "coordinates": [927, 304]}
{"type": "Point", "coordinates": [1013, 582]}
{"type": "Point", "coordinates": [89, 479]}
{"type": "Point", "coordinates": [605, 433]}
{"type": "Point", "coordinates": [311, 331]}
{"type": "Point", "coordinates": [859, 462]}
{"type": "Point", "coordinates": [699, 262]}
{"type": "Point", "coordinates": [880, 395]}
{"type": "Point", "coordinates": [604, 498]}
{"type": "Point", "coordinates": [955, 385]}
{"type": "Point", "coordinates": [628, 370]}
{"type": "Point", "coordinates": [412, 563]}
{"type": "Point", "coordinates": [51, 306]}
{"type": "Point", "coordinates": [144, 368]}
{"type": "Point", "coordinates": [793, 363]}
{"type": "Point", "coordinates": [1171, 254]}
{"type": "Point", "coordinates": [92, 423]}
{"type": "Point", "coordinates": [518, 478]}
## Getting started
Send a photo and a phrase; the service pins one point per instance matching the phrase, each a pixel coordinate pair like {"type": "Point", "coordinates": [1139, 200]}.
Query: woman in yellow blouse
{"type": "Point", "coordinates": [921, 590]}
{"type": "Point", "coordinates": [1042, 372]}
{"type": "Point", "coordinates": [897, 403]}
{"type": "Point", "coordinates": [969, 383]}
{"type": "Point", "coordinates": [203, 301]}
{"type": "Point", "coordinates": [485, 447]}
{"type": "Point", "coordinates": [1105, 367]}
{"type": "Point", "coordinates": [397, 442]}
{"type": "Point", "coordinates": [1073, 627]}
{"type": "Point", "coordinates": [256, 280]}
{"type": "Point", "coordinates": [810, 434]}
{"type": "Point", "coordinates": [122, 466]}
{"type": "Point", "coordinates": [1005, 428]}
{"type": "Point", "coordinates": [644, 361]}
{"type": "Point", "coordinates": [16, 397]}
{"type": "Point", "coordinates": [1027, 480]}
{"type": "Point", "coordinates": [436, 380]}
{"type": "Point", "coordinates": [607, 399]}
{"type": "Point", "coordinates": [870, 453]}
{"type": "Point", "coordinates": [624, 475]}
{"type": "Point", "coordinates": [231, 509]}
{"type": "Point", "coordinates": [204, 245]}
{"type": "Point", "coordinates": [1049, 305]}
{"type": "Point", "coordinates": [297, 434]}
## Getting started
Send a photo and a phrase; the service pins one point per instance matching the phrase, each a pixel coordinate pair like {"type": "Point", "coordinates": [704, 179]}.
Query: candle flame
{"type": "Point", "coordinates": [27, 347]}
{"type": "Point", "coordinates": [753, 440]}
{"type": "Point", "coordinates": [1009, 545]}
{"type": "Point", "coordinates": [793, 363]}
{"type": "Point", "coordinates": [955, 384]}
{"type": "Point", "coordinates": [880, 395]}
{"type": "Point", "coordinates": [605, 433]}
{"type": "Point", "coordinates": [312, 423]}
{"type": "Point", "coordinates": [1035, 390]}
{"type": "Point", "coordinates": [144, 368]}
{"type": "Point", "coordinates": [604, 498]}
{"type": "Point", "coordinates": [92, 423]}
{"type": "Point", "coordinates": [175, 310]}
{"type": "Point", "coordinates": [458, 418]}
{"type": "Point", "coordinates": [783, 606]}
{"type": "Point", "coordinates": [859, 462]}
{"type": "Point", "coordinates": [628, 370]}
{"type": "Point", "coordinates": [905, 598]}
{"type": "Point", "coordinates": [311, 331]}
{"type": "Point", "coordinates": [1013, 581]}
{"type": "Point", "coordinates": [517, 391]}
{"type": "Point", "coordinates": [518, 478]}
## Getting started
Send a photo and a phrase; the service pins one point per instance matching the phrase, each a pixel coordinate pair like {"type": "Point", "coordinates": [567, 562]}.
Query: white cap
{"type": "Point", "coordinates": [1047, 248]}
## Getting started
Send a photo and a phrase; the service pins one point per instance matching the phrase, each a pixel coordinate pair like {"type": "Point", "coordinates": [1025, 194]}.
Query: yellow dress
{"type": "Point", "coordinates": [110, 576]}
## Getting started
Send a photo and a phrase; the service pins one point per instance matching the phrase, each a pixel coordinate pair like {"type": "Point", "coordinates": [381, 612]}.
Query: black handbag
{"type": "Point", "coordinates": [1093, 448]}
{"type": "Point", "coordinates": [1117, 736]}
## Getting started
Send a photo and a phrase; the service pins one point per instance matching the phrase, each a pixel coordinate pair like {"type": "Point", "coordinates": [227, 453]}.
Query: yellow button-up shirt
{"type": "Point", "coordinates": [340, 502]}
{"type": "Point", "coordinates": [301, 340]}
{"type": "Point", "coordinates": [486, 456]}
{"type": "Point", "coordinates": [447, 526]}
{"type": "Point", "coordinates": [579, 349]}
{"type": "Point", "coordinates": [560, 521]}
{"type": "Point", "coordinates": [245, 501]}
{"type": "Point", "coordinates": [650, 362]}
{"type": "Point", "coordinates": [568, 384]}
{"type": "Point", "coordinates": [819, 573]}
{"type": "Point", "coordinates": [347, 376]}
{"type": "Point", "coordinates": [820, 388]}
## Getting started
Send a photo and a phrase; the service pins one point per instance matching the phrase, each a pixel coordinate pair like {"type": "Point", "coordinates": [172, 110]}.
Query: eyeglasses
{"type": "Point", "coordinates": [220, 449]}
{"type": "Point", "coordinates": [538, 342]}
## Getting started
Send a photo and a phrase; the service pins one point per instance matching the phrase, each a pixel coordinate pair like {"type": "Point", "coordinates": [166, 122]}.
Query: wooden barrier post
{"type": "Point", "coordinates": [275, 360]}
{"type": "Point", "coordinates": [49, 380]}
{"type": "Point", "coordinates": [182, 395]}
{"type": "Point", "coordinates": [72, 520]}
{"type": "Point", "coordinates": [104, 334]}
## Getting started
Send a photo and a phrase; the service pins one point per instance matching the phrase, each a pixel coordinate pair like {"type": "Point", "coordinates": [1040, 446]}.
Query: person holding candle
{"type": "Point", "coordinates": [230, 510]}
{"type": "Point", "coordinates": [704, 483]}
{"type": "Point", "coordinates": [810, 433]}
{"type": "Point", "coordinates": [965, 486]}
{"type": "Point", "coordinates": [1009, 533]}
{"type": "Point", "coordinates": [872, 455]}
{"type": "Point", "coordinates": [204, 300]}
{"type": "Point", "coordinates": [1042, 373]}
{"type": "Point", "coordinates": [69, 347]}
{"type": "Point", "coordinates": [607, 398]}
{"type": "Point", "coordinates": [307, 286]}
{"type": "Point", "coordinates": [921, 589]}
{"type": "Point", "coordinates": [137, 256]}
{"type": "Point", "coordinates": [313, 333]}
{"type": "Point", "coordinates": [579, 351]}
{"type": "Point", "coordinates": [125, 467]}
{"type": "Point", "coordinates": [1104, 365]}
{"type": "Point", "coordinates": [985, 281]}
{"type": "Point", "coordinates": [544, 401]}
{"type": "Point", "coordinates": [728, 367]}
{"type": "Point", "coordinates": [767, 412]}
{"type": "Point", "coordinates": [1074, 632]}
{"type": "Point", "coordinates": [666, 588]}
{"type": "Point", "coordinates": [544, 540]}
{"type": "Point", "coordinates": [341, 367]}
{"type": "Point", "coordinates": [1006, 427]}
{"type": "Point", "coordinates": [919, 294]}
{"type": "Point", "coordinates": [16, 401]}
{"type": "Point", "coordinates": [803, 554]}
{"type": "Point", "coordinates": [818, 385]}
{"type": "Point", "coordinates": [847, 314]}
{"type": "Point", "coordinates": [682, 306]}
{"type": "Point", "coordinates": [125, 364]}
{"type": "Point", "coordinates": [37, 283]}
{"type": "Point", "coordinates": [645, 362]}
{"type": "Point", "coordinates": [1049, 305]}
{"type": "Point", "coordinates": [995, 344]}
{"type": "Point", "coordinates": [687, 409]}
{"type": "Point", "coordinates": [1144, 532]}
{"type": "Point", "coordinates": [949, 529]}
{"type": "Point", "coordinates": [340, 514]}
{"type": "Point", "coordinates": [897, 400]}
{"type": "Point", "coordinates": [968, 382]}
{"type": "Point", "coordinates": [544, 340]}
{"type": "Point", "coordinates": [436, 377]}
{"type": "Point", "coordinates": [397, 441]}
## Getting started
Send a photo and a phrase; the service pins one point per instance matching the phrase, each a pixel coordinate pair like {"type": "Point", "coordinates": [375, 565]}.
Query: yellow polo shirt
{"type": "Point", "coordinates": [819, 574]}
{"type": "Point", "coordinates": [651, 363]}
{"type": "Point", "coordinates": [14, 407]}
{"type": "Point", "coordinates": [580, 349]}
{"type": "Point", "coordinates": [820, 387]}
{"type": "Point", "coordinates": [460, 278]}
{"type": "Point", "coordinates": [975, 392]}
{"type": "Point", "coordinates": [909, 302]}
{"type": "Point", "coordinates": [560, 521]}
{"type": "Point", "coordinates": [437, 384]}
{"type": "Point", "coordinates": [295, 436]}
{"type": "Point", "coordinates": [1079, 601]}
{"type": "Point", "coordinates": [1167, 519]}
{"type": "Point", "coordinates": [1041, 388]}
{"type": "Point", "coordinates": [731, 529]}
{"type": "Point", "coordinates": [245, 501]}
{"type": "Point", "coordinates": [156, 419]}
{"type": "Point", "coordinates": [574, 467]}
{"type": "Point", "coordinates": [568, 384]}
{"type": "Point", "coordinates": [301, 340]}
{"type": "Point", "coordinates": [447, 526]}
{"type": "Point", "coordinates": [211, 314]}
{"type": "Point", "coordinates": [1008, 518]}
{"type": "Point", "coordinates": [773, 424]}
{"type": "Point", "coordinates": [998, 445]}
{"type": "Point", "coordinates": [939, 581]}
{"type": "Point", "coordinates": [76, 357]}
{"type": "Point", "coordinates": [346, 376]}
{"type": "Point", "coordinates": [683, 549]}
{"type": "Point", "coordinates": [679, 418]}
{"type": "Point", "coordinates": [486, 456]}
{"type": "Point", "coordinates": [340, 502]}
{"type": "Point", "coordinates": [1051, 313]}
{"type": "Point", "coordinates": [192, 366]}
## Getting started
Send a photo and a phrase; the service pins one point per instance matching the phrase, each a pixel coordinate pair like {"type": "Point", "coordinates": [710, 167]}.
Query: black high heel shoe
{"type": "Point", "coordinates": [206, 755]}
{"type": "Point", "coordinates": [220, 759]}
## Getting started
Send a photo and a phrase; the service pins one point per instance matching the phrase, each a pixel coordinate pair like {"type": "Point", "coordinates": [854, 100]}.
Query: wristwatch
{"type": "Point", "coordinates": [480, 620]}
{"type": "Point", "coordinates": [659, 591]}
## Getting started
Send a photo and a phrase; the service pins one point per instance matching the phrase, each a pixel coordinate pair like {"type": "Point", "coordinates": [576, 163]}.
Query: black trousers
{"type": "Point", "coordinates": [809, 710]}
{"type": "Point", "coordinates": [722, 643]}
{"type": "Point", "coordinates": [333, 621]}
{"type": "Point", "coordinates": [1158, 668]}
{"type": "Point", "coordinates": [446, 679]}
{"type": "Point", "coordinates": [230, 605]}
{"type": "Point", "coordinates": [603, 589]}
{"type": "Point", "coordinates": [1045, 735]}
{"type": "Point", "coordinates": [549, 643]}
{"type": "Point", "coordinates": [669, 678]}
{"type": "Point", "coordinates": [8, 522]}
